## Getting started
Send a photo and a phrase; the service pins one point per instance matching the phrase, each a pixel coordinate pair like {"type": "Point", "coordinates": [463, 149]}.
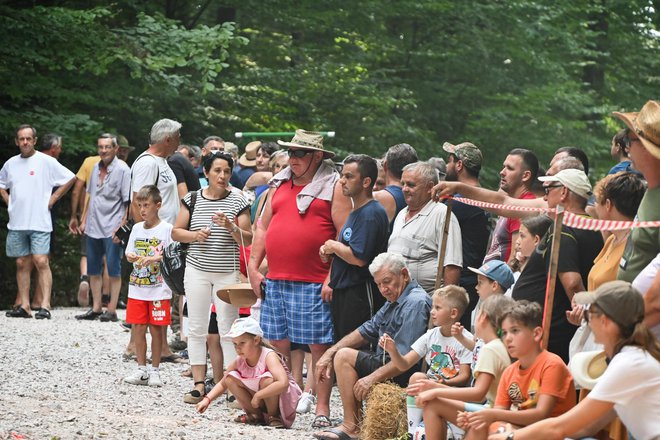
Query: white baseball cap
{"type": "Point", "coordinates": [244, 325]}
{"type": "Point", "coordinates": [573, 179]}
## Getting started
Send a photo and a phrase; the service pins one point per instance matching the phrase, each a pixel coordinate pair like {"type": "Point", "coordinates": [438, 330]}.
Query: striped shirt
{"type": "Point", "coordinates": [219, 253]}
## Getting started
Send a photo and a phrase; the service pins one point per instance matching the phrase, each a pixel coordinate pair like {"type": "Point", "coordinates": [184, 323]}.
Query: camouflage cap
{"type": "Point", "coordinates": [467, 152]}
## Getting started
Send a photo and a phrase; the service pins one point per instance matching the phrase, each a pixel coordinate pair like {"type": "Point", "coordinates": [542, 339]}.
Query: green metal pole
{"type": "Point", "coordinates": [254, 134]}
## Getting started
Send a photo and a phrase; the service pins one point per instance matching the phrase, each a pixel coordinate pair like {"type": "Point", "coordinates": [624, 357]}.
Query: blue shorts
{"type": "Point", "coordinates": [96, 249]}
{"type": "Point", "coordinates": [24, 243]}
{"type": "Point", "coordinates": [294, 310]}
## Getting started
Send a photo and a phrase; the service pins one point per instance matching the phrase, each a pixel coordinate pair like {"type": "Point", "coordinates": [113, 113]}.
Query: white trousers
{"type": "Point", "coordinates": [200, 292]}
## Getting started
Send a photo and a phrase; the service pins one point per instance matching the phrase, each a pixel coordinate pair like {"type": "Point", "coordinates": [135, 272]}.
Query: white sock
{"type": "Point", "coordinates": [415, 414]}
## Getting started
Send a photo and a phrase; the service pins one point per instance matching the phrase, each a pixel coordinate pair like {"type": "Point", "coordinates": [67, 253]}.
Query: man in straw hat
{"type": "Point", "coordinates": [643, 243]}
{"type": "Point", "coordinates": [304, 208]}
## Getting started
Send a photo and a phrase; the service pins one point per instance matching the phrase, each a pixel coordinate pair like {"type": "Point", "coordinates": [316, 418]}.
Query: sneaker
{"type": "Point", "coordinates": [305, 403]}
{"type": "Point", "coordinates": [154, 379]}
{"type": "Point", "coordinates": [108, 317]}
{"type": "Point", "coordinates": [125, 325]}
{"type": "Point", "coordinates": [138, 377]}
{"type": "Point", "coordinates": [89, 315]}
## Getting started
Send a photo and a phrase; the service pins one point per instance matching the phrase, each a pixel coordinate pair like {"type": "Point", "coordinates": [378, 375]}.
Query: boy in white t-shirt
{"type": "Point", "coordinates": [447, 359]}
{"type": "Point", "coordinates": [148, 294]}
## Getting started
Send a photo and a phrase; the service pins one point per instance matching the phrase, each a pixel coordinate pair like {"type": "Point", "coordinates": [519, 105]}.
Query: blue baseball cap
{"type": "Point", "coordinates": [498, 271]}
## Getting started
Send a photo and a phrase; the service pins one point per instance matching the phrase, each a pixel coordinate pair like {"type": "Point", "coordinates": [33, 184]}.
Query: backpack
{"type": "Point", "coordinates": [173, 265]}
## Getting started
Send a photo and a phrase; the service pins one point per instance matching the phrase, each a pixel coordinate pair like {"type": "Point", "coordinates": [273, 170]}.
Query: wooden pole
{"type": "Point", "coordinates": [440, 273]}
{"type": "Point", "coordinates": [552, 275]}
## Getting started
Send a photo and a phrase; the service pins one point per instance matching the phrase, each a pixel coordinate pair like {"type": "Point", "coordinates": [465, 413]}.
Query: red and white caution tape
{"type": "Point", "coordinates": [571, 220]}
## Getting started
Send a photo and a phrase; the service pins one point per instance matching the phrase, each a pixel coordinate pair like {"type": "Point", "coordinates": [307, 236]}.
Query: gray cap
{"type": "Point", "coordinates": [467, 152]}
{"type": "Point", "coordinates": [619, 300]}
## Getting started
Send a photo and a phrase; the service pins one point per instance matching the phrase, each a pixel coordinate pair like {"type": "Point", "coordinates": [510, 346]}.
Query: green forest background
{"type": "Point", "coordinates": [502, 74]}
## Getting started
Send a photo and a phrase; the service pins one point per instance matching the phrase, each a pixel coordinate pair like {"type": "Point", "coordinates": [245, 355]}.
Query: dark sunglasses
{"type": "Point", "coordinates": [549, 187]}
{"type": "Point", "coordinates": [298, 154]}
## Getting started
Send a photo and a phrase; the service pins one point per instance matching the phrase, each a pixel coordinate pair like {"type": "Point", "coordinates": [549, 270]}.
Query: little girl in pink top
{"type": "Point", "coordinates": [258, 378]}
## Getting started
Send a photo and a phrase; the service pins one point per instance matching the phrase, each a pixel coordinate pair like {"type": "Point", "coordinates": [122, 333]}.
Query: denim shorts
{"type": "Point", "coordinates": [24, 243]}
{"type": "Point", "coordinates": [96, 249]}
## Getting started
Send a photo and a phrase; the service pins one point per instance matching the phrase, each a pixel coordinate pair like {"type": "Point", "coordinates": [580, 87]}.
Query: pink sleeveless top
{"type": "Point", "coordinates": [250, 377]}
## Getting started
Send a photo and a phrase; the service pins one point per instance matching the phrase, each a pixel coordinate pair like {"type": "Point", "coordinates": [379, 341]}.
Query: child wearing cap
{"type": "Point", "coordinates": [538, 385]}
{"type": "Point", "coordinates": [631, 383]}
{"type": "Point", "coordinates": [258, 378]}
{"type": "Point", "coordinates": [442, 404]}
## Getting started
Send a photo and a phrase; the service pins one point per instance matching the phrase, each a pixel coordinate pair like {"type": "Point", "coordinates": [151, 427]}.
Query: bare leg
{"type": "Point", "coordinates": [83, 287]}
{"type": "Point", "coordinates": [243, 396]}
{"type": "Point", "coordinates": [297, 360]}
{"type": "Point", "coordinates": [38, 296]}
{"type": "Point", "coordinates": [24, 267]}
{"type": "Point", "coordinates": [199, 374]}
{"type": "Point", "coordinates": [140, 334]}
{"type": "Point", "coordinates": [310, 385]}
{"type": "Point", "coordinates": [115, 288]}
{"type": "Point", "coordinates": [344, 364]}
{"type": "Point", "coordinates": [217, 358]}
{"type": "Point", "coordinates": [45, 278]}
{"type": "Point", "coordinates": [273, 402]}
{"type": "Point", "coordinates": [106, 279]}
{"type": "Point", "coordinates": [165, 348]}
{"type": "Point", "coordinates": [436, 415]}
{"type": "Point", "coordinates": [324, 388]}
{"type": "Point", "coordinates": [95, 284]}
{"type": "Point", "coordinates": [284, 347]}
{"type": "Point", "coordinates": [156, 344]}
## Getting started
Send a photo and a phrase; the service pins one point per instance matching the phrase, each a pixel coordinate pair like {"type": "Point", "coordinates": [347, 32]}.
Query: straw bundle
{"type": "Point", "coordinates": [385, 414]}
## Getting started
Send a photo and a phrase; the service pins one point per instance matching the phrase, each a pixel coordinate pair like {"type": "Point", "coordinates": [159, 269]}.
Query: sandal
{"type": "Point", "coordinates": [42, 314]}
{"type": "Point", "coordinates": [173, 359]}
{"type": "Point", "coordinates": [18, 312]}
{"type": "Point", "coordinates": [194, 396]}
{"type": "Point", "coordinates": [321, 422]}
{"type": "Point", "coordinates": [276, 422]}
{"type": "Point", "coordinates": [246, 419]}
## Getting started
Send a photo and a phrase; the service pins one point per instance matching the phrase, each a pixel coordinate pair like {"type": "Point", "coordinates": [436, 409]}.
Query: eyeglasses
{"type": "Point", "coordinates": [298, 154]}
{"type": "Point", "coordinates": [590, 312]}
{"type": "Point", "coordinates": [548, 188]}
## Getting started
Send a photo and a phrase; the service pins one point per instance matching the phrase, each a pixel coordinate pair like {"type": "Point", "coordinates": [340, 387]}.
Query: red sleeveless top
{"type": "Point", "coordinates": [293, 239]}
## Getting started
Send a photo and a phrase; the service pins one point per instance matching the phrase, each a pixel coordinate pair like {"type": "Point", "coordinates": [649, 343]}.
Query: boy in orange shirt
{"type": "Point", "coordinates": [537, 386]}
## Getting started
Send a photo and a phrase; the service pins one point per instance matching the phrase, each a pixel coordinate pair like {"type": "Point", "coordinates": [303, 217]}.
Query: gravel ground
{"type": "Point", "coordinates": [62, 379]}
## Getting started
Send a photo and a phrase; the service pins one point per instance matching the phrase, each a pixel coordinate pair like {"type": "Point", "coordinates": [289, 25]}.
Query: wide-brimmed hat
{"type": "Point", "coordinates": [619, 300]}
{"type": "Point", "coordinates": [123, 143]}
{"type": "Point", "coordinates": [587, 366]}
{"type": "Point", "coordinates": [308, 140]}
{"type": "Point", "coordinates": [466, 152]}
{"type": "Point", "coordinates": [573, 179]}
{"type": "Point", "coordinates": [249, 158]}
{"type": "Point", "coordinates": [646, 125]}
{"type": "Point", "coordinates": [238, 295]}
{"type": "Point", "coordinates": [242, 326]}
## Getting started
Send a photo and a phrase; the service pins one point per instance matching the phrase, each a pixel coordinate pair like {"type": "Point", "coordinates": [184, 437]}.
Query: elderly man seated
{"type": "Point", "coordinates": [404, 317]}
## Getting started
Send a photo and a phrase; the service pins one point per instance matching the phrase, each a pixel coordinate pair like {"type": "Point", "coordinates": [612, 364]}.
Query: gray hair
{"type": "Point", "coordinates": [50, 140]}
{"type": "Point", "coordinates": [195, 151]}
{"type": "Point", "coordinates": [111, 136]}
{"type": "Point", "coordinates": [425, 170]}
{"type": "Point", "coordinates": [387, 260]}
{"type": "Point", "coordinates": [231, 148]}
{"type": "Point", "coordinates": [213, 138]}
{"type": "Point", "coordinates": [569, 162]}
{"type": "Point", "coordinates": [162, 129]}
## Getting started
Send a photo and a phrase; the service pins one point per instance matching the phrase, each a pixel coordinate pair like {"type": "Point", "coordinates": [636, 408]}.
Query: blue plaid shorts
{"type": "Point", "coordinates": [294, 310]}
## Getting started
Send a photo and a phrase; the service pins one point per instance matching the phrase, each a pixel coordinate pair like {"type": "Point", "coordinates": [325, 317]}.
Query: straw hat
{"type": "Point", "coordinates": [239, 295]}
{"type": "Point", "coordinates": [308, 140]}
{"type": "Point", "coordinates": [646, 125]}
{"type": "Point", "coordinates": [587, 366]}
{"type": "Point", "coordinates": [249, 158]}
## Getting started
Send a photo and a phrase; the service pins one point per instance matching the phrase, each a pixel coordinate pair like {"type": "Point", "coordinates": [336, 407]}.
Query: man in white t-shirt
{"type": "Point", "coordinates": [151, 168]}
{"type": "Point", "coordinates": [418, 229]}
{"type": "Point", "coordinates": [26, 186]}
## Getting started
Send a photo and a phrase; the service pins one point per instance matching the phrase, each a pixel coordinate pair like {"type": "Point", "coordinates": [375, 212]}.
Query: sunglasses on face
{"type": "Point", "coordinates": [298, 154]}
{"type": "Point", "coordinates": [548, 188]}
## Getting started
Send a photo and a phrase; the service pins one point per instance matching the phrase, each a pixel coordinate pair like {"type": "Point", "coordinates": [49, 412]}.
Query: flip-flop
{"type": "Point", "coordinates": [18, 312]}
{"type": "Point", "coordinates": [321, 421]}
{"type": "Point", "coordinates": [340, 435]}
{"type": "Point", "coordinates": [42, 314]}
{"type": "Point", "coordinates": [173, 359]}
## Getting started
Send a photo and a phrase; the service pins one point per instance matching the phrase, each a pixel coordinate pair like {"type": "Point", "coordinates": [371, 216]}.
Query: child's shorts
{"type": "Point", "coordinates": [143, 312]}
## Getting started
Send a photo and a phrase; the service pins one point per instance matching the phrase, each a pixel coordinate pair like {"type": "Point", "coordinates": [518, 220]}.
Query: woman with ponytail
{"type": "Point", "coordinates": [629, 388]}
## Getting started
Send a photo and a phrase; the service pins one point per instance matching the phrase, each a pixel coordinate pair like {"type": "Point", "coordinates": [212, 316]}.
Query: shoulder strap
{"type": "Point", "coordinates": [193, 200]}
{"type": "Point", "coordinates": [130, 193]}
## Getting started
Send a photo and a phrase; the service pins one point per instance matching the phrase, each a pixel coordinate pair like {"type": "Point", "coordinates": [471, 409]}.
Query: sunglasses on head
{"type": "Point", "coordinates": [298, 154]}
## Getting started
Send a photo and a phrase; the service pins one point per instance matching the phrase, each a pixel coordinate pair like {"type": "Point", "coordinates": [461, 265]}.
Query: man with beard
{"type": "Point", "coordinates": [463, 165]}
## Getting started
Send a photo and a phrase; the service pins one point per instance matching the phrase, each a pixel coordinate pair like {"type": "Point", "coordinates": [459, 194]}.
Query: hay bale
{"type": "Point", "coordinates": [385, 414]}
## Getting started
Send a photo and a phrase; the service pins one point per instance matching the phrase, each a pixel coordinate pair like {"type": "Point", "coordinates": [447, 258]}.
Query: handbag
{"type": "Point", "coordinates": [173, 264]}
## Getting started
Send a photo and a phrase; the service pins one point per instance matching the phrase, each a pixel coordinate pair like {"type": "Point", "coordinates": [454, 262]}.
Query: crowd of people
{"type": "Point", "coordinates": [367, 270]}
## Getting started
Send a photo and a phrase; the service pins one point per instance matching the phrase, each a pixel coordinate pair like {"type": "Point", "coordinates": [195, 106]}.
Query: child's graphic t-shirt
{"type": "Point", "coordinates": [520, 389]}
{"type": "Point", "coordinates": [146, 282]}
{"type": "Point", "coordinates": [444, 354]}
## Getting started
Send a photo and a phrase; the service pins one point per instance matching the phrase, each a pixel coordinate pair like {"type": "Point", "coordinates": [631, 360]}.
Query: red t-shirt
{"type": "Point", "coordinates": [293, 239]}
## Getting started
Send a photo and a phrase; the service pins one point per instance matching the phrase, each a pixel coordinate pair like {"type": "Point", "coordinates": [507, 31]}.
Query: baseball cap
{"type": "Point", "coordinates": [573, 179]}
{"type": "Point", "coordinates": [466, 152]}
{"type": "Point", "coordinates": [496, 270]}
{"type": "Point", "coordinates": [619, 300]}
{"type": "Point", "coordinates": [244, 325]}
